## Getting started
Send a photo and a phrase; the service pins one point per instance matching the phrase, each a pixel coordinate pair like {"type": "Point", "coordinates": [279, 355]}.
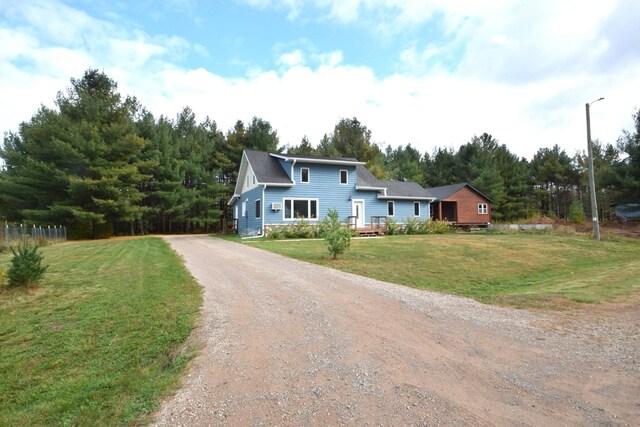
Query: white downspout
{"type": "Point", "coordinates": [264, 202]}
{"type": "Point", "coordinates": [293, 177]}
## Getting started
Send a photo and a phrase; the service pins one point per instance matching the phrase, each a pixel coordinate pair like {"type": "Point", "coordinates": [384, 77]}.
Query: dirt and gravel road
{"type": "Point", "coordinates": [289, 343]}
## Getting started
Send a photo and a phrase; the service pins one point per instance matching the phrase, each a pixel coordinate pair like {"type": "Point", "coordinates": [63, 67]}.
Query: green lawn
{"type": "Point", "coordinates": [101, 339]}
{"type": "Point", "coordinates": [522, 270]}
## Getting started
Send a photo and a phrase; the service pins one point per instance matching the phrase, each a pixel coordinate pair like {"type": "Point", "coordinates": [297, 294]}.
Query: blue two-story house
{"type": "Point", "coordinates": [275, 189]}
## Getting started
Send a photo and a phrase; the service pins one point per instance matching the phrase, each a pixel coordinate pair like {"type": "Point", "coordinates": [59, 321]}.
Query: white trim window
{"type": "Point", "coordinates": [244, 208]}
{"type": "Point", "coordinates": [305, 175]}
{"type": "Point", "coordinates": [300, 208]}
{"type": "Point", "coordinates": [483, 209]}
{"type": "Point", "coordinates": [344, 176]}
{"type": "Point", "coordinates": [391, 208]}
{"type": "Point", "coordinates": [416, 209]}
{"type": "Point", "coordinates": [258, 209]}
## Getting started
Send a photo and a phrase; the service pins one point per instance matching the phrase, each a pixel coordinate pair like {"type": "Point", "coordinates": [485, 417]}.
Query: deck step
{"type": "Point", "coordinates": [370, 233]}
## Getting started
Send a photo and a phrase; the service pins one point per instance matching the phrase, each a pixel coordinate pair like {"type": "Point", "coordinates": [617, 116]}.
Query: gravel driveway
{"type": "Point", "coordinates": [289, 343]}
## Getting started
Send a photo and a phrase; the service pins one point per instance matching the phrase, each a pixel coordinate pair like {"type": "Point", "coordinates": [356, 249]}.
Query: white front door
{"type": "Point", "coordinates": [357, 210]}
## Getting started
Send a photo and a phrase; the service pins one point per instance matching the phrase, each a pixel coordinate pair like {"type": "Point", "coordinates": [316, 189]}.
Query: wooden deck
{"type": "Point", "coordinates": [377, 226]}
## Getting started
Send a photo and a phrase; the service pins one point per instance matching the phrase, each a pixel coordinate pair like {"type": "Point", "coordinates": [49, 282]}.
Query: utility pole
{"type": "Point", "coordinates": [592, 179]}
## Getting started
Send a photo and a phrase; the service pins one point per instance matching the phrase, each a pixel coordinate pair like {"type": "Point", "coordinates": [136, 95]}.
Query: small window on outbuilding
{"type": "Point", "coordinates": [483, 209]}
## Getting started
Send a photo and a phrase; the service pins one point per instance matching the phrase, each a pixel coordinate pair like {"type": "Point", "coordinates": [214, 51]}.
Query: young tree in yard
{"type": "Point", "coordinates": [576, 213]}
{"type": "Point", "coordinates": [337, 236]}
{"type": "Point", "coordinates": [26, 266]}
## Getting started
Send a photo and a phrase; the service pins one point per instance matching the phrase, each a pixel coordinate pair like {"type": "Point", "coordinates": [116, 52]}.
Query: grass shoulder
{"type": "Point", "coordinates": [101, 340]}
{"type": "Point", "coordinates": [520, 270]}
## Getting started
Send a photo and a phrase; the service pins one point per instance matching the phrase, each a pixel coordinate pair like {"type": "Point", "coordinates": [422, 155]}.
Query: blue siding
{"type": "Point", "coordinates": [324, 185]}
{"type": "Point", "coordinates": [249, 225]}
{"type": "Point", "coordinates": [286, 166]}
{"type": "Point", "coordinates": [404, 210]}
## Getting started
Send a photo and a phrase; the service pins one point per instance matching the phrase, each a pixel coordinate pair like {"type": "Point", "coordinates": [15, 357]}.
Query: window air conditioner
{"type": "Point", "coordinates": [276, 206]}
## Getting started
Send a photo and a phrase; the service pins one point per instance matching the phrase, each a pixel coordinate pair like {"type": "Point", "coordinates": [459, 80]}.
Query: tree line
{"type": "Point", "coordinates": [101, 164]}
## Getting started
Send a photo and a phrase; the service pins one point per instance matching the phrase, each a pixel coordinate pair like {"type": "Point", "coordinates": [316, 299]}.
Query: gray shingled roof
{"type": "Point", "coordinates": [366, 178]}
{"type": "Point", "coordinates": [404, 189]}
{"type": "Point", "coordinates": [445, 191]}
{"type": "Point", "coordinates": [394, 188]}
{"type": "Point", "coordinates": [306, 156]}
{"type": "Point", "coordinates": [267, 168]}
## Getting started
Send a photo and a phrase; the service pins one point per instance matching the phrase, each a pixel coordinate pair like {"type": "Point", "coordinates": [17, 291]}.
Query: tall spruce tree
{"type": "Point", "coordinates": [77, 165]}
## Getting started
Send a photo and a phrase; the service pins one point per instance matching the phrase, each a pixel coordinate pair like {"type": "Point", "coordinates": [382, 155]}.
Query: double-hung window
{"type": "Point", "coordinates": [300, 208]}
{"type": "Point", "coordinates": [344, 177]}
{"type": "Point", "coordinates": [416, 208]}
{"type": "Point", "coordinates": [304, 175]}
{"type": "Point", "coordinates": [258, 209]}
{"type": "Point", "coordinates": [483, 209]}
{"type": "Point", "coordinates": [390, 208]}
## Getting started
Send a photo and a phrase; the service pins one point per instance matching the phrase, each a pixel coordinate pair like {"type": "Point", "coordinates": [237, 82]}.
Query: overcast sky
{"type": "Point", "coordinates": [432, 73]}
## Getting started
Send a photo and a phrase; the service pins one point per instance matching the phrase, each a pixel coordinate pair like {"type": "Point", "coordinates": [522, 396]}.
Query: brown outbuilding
{"type": "Point", "coordinates": [461, 205]}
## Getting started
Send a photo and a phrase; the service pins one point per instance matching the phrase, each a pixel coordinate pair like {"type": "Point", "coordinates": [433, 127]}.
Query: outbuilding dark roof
{"type": "Point", "coordinates": [445, 191]}
{"type": "Point", "coordinates": [267, 168]}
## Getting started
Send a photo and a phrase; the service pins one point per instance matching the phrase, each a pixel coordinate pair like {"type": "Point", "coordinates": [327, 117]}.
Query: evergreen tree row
{"type": "Point", "coordinates": [101, 164]}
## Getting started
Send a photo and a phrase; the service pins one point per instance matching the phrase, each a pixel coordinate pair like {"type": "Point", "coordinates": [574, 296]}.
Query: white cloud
{"type": "Point", "coordinates": [291, 59]}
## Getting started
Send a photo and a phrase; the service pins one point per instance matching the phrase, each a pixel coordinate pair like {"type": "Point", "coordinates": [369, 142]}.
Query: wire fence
{"type": "Point", "coordinates": [10, 234]}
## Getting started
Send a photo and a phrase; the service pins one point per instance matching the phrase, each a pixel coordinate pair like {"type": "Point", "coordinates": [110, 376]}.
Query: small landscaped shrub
{"type": "Point", "coordinates": [418, 226]}
{"type": "Point", "coordinates": [300, 229]}
{"type": "Point", "coordinates": [434, 227]}
{"type": "Point", "coordinates": [274, 233]}
{"type": "Point", "coordinates": [337, 236]}
{"type": "Point", "coordinates": [26, 266]}
{"type": "Point", "coordinates": [412, 226]}
{"type": "Point", "coordinates": [393, 227]}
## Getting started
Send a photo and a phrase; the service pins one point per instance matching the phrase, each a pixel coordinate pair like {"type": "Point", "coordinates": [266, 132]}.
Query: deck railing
{"type": "Point", "coordinates": [378, 224]}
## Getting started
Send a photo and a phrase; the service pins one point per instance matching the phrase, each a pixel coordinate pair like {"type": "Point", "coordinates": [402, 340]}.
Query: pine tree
{"type": "Point", "coordinates": [77, 165]}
